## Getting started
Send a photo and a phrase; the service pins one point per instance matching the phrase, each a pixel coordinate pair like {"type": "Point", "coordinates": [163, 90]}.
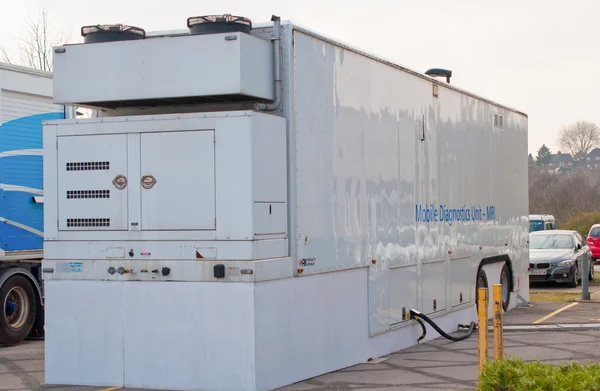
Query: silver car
{"type": "Point", "coordinates": [558, 255]}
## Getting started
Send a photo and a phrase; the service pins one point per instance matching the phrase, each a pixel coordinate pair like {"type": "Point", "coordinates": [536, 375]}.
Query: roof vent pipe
{"type": "Point", "coordinates": [276, 54]}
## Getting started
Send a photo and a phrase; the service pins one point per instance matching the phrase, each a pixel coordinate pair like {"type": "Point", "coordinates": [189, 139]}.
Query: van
{"type": "Point", "coordinates": [541, 223]}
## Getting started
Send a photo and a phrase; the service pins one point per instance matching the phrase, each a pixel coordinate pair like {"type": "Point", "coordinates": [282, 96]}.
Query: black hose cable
{"type": "Point", "coordinates": [424, 333]}
{"type": "Point", "coordinates": [414, 314]}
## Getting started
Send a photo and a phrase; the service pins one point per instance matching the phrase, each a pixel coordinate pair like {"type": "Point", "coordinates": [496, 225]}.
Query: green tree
{"type": "Point", "coordinates": [543, 155]}
{"type": "Point", "coordinates": [530, 160]}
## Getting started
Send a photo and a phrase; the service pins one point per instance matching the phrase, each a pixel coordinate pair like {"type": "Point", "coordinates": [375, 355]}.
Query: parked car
{"type": "Point", "coordinates": [541, 222]}
{"type": "Point", "coordinates": [593, 242]}
{"type": "Point", "coordinates": [558, 255]}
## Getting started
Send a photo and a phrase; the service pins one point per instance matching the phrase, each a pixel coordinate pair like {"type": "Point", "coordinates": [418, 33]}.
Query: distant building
{"type": "Point", "coordinates": [562, 160]}
{"type": "Point", "coordinates": [592, 159]}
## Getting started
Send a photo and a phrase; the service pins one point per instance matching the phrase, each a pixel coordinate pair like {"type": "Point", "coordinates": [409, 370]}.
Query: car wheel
{"type": "Point", "coordinates": [591, 271]}
{"type": "Point", "coordinates": [574, 280]}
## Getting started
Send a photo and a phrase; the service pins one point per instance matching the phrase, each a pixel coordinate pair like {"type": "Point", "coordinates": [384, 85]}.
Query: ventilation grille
{"type": "Point", "coordinates": [88, 223]}
{"type": "Point", "coordinates": [88, 166]}
{"type": "Point", "coordinates": [72, 194]}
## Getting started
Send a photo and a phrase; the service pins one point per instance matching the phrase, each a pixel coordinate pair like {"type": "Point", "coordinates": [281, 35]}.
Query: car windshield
{"type": "Point", "coordinates": [595, 233]}
{"type": "Point", "coordinates": [557, 241]}
{"type": "Point", "coordinates": [536, 225]}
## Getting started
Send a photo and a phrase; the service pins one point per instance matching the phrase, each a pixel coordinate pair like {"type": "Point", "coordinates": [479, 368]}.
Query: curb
{"type": "Point", "coordinates": [552, 327]}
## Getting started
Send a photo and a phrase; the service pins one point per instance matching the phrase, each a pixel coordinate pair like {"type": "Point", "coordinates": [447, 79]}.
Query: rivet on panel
{"type": "Point", "coordinates": [449, 251]}
{"type": "Point", "coordinates": [481, 247]}
{"type": "Point", "coordinates": [300, 270]}
{"type": "Point", "coordinates": [373, 261]}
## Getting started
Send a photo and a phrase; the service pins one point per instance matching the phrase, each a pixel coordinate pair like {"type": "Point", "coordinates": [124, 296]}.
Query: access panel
{"type": "Point", "coordinates": [178, 180]}
{"type": "Point", "coordinates": [92, 182]}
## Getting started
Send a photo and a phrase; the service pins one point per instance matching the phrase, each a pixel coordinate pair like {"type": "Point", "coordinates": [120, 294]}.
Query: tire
{"type": "Point", "coordinates": [506, 282]}
{"type": "Point", "coordinates": [591, 276]}
{"type": "Point", "coordinates": [481, 282]}
{"type": "Point", "coordinates": [575, 280]}
{"type": "Point", "coordinates": [18, 309]}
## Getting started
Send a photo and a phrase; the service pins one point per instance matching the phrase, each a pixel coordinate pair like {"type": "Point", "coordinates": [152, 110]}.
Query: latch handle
{"type": "Point", "coordinates": [148, 181]}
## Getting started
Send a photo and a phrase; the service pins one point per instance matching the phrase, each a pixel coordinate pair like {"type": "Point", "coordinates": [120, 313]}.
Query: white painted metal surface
{"type": "Point", "coordinates": [83, 327]}
{"type": "Point", "coordinates": [17, 104]}
{"type": "Point", "coordinates": [370, 162]}
{"type": "Point", "coordinates": [210, 172]}
{"type": "Point", "coordinates": [87, 198]}
{"type": "Point", "coordinates": [246, 336]}
{"type": "Point", "coordinates": [391, 147]}
{"type": "Point", "coordinates": [26, 81]}
{"type": "Point", "coordinates": [183, 166]}
{"type": "Point", "coordinates": [181, 67]}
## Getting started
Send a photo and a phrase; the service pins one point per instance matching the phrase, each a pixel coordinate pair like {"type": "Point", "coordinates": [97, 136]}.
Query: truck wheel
{"type": "Point", "coordinates": [506, 284]}
{"type": "Point", "coordinates": [18, 309]}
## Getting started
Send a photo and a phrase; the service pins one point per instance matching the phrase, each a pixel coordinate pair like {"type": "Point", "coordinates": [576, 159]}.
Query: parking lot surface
{"type": "Point", "coordinates": [436, 365]}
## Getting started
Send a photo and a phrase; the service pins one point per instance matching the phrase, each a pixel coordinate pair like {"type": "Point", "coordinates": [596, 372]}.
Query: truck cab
{"type": "Point", "coordinates": [541, 223]}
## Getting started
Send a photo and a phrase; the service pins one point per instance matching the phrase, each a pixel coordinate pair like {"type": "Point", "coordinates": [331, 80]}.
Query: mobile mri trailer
{"type": "Point", "coordinates": [228, 224]}
{"type": "Point", "coordinates": [25, 101]}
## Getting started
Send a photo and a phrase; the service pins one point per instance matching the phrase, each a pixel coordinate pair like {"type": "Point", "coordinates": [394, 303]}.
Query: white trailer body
{"type": "Point", "coordinates": [192, 242]}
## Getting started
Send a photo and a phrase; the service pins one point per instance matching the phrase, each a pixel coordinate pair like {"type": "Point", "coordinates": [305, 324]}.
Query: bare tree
{"type": "Point", "coordinates": [36, 43]}
{"type": "Point", "coordinates": [4, 55]}
{"type": "Point", "coordinates": [563, 195]}
{"type": "Point", "coordinates": [579, 138]}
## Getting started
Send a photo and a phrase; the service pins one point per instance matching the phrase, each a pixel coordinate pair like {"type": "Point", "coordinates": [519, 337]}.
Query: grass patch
{"type": "Point", "coordinates": [553, 297]}
{"type": "Point", "coordinates": [513, 374]}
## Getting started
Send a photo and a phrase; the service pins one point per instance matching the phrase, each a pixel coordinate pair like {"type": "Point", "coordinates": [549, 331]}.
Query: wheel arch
{"type": "Point", "coordinates": [5, 274]}
{"type": "Point", "coordinates": [499, 259]}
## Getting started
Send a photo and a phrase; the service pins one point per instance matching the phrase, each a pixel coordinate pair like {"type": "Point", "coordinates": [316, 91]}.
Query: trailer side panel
{"type": "Point", "coordinates": [419, 183]}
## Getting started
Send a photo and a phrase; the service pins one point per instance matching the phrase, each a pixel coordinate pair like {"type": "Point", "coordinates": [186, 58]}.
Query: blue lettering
{"type": "Point", "coordinates": [491, 213]}
{"type": "Point", "coordinates": [429, 213]}
{"type": "Point", "coordinates": [426, 214]}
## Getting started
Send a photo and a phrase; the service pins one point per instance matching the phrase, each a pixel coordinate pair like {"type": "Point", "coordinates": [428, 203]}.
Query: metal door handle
{"type": "Point", "coordinates": [120, 182]}
{"type": "Point", "coordinates": [148, 181]}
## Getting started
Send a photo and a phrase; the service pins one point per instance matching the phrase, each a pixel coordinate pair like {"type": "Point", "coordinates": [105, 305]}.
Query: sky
{"type": "Point", "coordinates": [533, 55]}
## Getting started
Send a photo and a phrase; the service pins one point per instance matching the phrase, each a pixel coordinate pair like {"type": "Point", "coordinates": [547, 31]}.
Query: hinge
{"type": "Point", "coordinates": [57, 223]}
{"type": "Point", "coordinates": [215, 221]}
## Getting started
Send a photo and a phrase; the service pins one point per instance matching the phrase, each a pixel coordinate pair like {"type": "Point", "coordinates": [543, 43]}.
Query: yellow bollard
{"type": "Point", "coordinates": [498, 339]}
{"type": "Point", "coordinates": [482, 305]}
